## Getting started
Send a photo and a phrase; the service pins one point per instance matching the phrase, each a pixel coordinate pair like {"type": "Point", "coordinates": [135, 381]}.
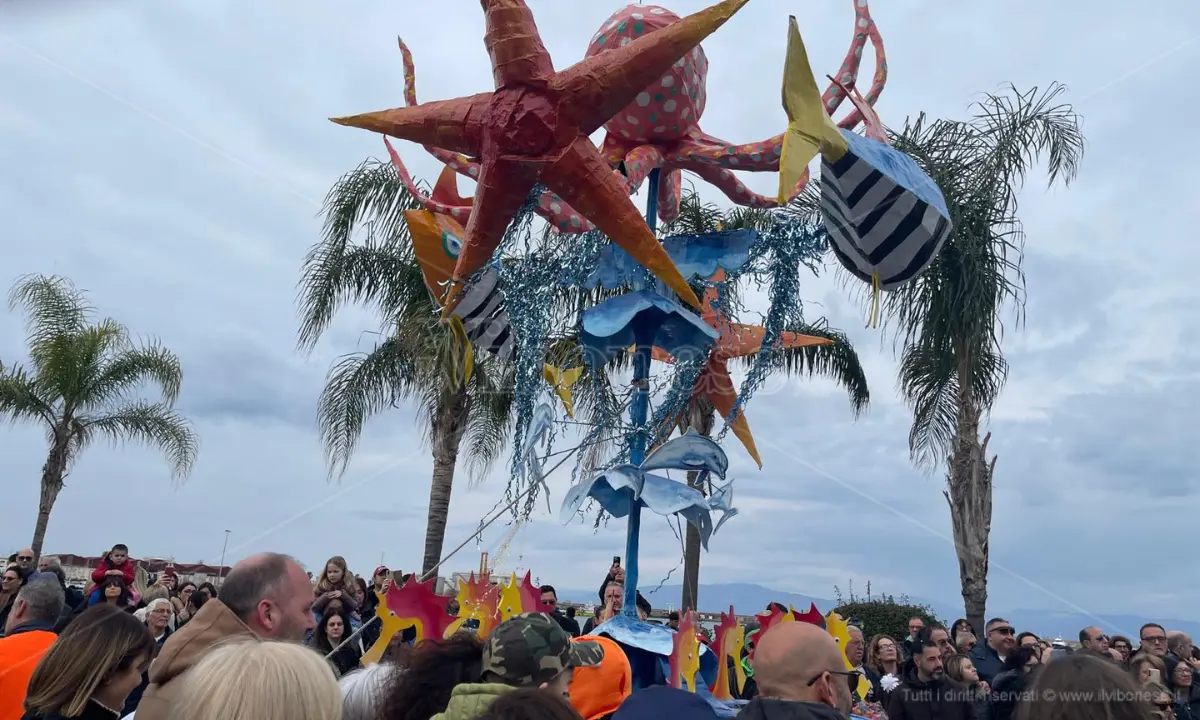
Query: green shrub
{"type": "Point", "coordinates": [880, 613]}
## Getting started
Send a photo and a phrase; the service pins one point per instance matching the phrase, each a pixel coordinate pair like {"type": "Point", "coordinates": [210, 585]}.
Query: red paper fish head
{"type": "Point", "coordinates": [671, 106]}
{"type": "Point", "coordinates": [531, 596]}
{"type": "Point", "coordinates": [685, 654]}
{"type": "Point", "coordinates": [417, 603]}
{"type": "Point", "coordinates": [812, 616]}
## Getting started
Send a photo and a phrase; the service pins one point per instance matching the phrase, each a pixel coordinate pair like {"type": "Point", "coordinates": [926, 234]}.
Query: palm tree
{"type": "Point", "coordinates": [948, 319]}
{"type": "Point", "coordinates": [837, 361]}
{"type": "Point", "coordinates": [416, 359]}
{"type": "Point", "coordinates": [81, 386]}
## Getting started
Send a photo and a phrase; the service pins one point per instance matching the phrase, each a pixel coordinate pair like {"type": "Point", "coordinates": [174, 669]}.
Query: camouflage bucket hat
{"type": "Point", "coordinates": [532, 649]}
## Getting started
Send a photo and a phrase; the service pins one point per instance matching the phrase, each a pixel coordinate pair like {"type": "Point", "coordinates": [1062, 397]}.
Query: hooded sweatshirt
{"type": "Point", "coordinates": [183, 649]}
{"type": "Point", "coordinates": [469, 701]}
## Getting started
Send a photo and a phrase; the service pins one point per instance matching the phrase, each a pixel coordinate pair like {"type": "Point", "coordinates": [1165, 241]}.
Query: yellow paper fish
{"type": "Point", "coordinates": [840, 630]}
{"type": "Point", "coordinates": [810, 129]}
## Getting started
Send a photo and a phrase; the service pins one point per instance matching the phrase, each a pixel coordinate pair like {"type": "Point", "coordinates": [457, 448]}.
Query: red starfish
{"type": "Point", "coordinates": [736, 340]}
{"type": "Point", "coordinates": [535, 128]}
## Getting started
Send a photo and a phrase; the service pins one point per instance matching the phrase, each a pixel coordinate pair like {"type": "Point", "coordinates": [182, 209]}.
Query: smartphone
{"type": "Point", "coordinates": [616, 559]}
{"type": "Point", "coordinates": [1155, 677]}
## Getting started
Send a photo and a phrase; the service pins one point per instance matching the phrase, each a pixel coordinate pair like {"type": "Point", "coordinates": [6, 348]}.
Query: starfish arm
{"type": "Point", "coordinates": [718, 387]}
{"type": "Point", "coordinates": [455, 125]}
{"type": "Point", "coordinates": [746, 340]}
{"type": "Point", "coordinates": [596, 89]}
{"type": "Point", "coordinates": [503, 187]}
{"type": "Point", "coordinates": [583, 179]}
{"type": "Point", "coordinates": [514, 44]}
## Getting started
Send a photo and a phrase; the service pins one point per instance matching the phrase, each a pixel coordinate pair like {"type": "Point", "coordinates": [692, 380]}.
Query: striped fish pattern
{"type": "Point", "coordinates": [483, 316]}
{"type": "Point", "coordinates": [885, 217]}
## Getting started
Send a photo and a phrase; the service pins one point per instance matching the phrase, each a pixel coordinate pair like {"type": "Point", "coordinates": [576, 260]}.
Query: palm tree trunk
{"type": "Point", "coordinates": [52, 483]}
{"type": "Point", "coordinates": [969, 494]}
{"type": "Point", "coordinates": [699, 417]}
{"type": "Point", "coordinates": [448, 428]}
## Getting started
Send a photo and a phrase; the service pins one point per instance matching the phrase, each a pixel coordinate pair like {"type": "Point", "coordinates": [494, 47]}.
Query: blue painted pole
{"type": "Point", "coordinates": [638, 410]}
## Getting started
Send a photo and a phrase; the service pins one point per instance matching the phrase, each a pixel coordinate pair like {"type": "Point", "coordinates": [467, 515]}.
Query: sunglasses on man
{"type": "Point", "coordinates": [851, 678]}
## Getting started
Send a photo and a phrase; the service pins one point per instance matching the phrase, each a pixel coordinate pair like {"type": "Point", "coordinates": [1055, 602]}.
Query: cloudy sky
{"type": "Point", "coordinates": [170, 158]}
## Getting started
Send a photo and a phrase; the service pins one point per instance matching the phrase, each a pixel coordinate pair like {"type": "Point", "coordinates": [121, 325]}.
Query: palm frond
{"type": "Point", "coordinates": [153, 424]}
{"type": "Point", "coordinates": [128, 370]}
{"type": "Point", "coordinates": [335, 269]}
{"type": "Point", "coordinates": [948, 320]}
{"type": "Point", "coordinates": [837, 361]}
{"type": "Point", "coordinates": [490, 420]}
{"type": "Point", "coordinates": [54, 309]}
{"type": "Point", "coordinates": [21, 399]}
{"type": "Point", "coordinates": [359, 386]}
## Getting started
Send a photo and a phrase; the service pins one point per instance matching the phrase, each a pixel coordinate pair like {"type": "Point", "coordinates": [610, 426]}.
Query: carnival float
{"type": "Point", "coordinates": [500, 279]}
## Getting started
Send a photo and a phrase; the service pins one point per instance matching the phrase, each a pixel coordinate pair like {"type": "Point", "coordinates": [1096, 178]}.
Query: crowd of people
{"type": "Point", "coordinates": [274, 642]}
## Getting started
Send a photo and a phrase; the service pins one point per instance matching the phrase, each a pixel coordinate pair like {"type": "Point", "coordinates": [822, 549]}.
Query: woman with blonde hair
{"type": "Point", "coordinates": [252, 679]}
{"type": "Point", "coordinates": [91, 668]}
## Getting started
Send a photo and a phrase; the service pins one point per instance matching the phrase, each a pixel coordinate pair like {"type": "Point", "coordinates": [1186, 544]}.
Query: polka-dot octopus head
{"type": "Point", "coordinates": [671, 106]}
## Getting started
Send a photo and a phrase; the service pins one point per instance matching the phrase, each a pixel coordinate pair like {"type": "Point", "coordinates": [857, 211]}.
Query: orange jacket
{"type": "Point", "coordinates": [19, 655]}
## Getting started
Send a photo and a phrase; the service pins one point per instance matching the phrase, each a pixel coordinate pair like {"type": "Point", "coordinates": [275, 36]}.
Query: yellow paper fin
{"type": "Point", "coordinates": [810, 129]}
{"type": "Point", "coordinates": [562, 381]}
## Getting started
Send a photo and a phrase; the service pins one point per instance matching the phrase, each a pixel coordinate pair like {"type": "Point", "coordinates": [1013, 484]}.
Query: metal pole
{"type": "Point", "coordinates": [221, 570]}
{"type": "Point", "coordinates": [638, 410]}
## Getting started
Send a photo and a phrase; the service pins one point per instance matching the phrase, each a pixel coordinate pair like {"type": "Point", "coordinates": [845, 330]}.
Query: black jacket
{"type": "Point", "coordinates": [938, 699]}
{"type": "Point", "coordinates": [1007, 690]}
{"type": "Point", "coordinates": [987, 662]}
{"type": "Point", "coordinates": [569, 626]}
{"type": "Point", "coordinates": [775, 709]}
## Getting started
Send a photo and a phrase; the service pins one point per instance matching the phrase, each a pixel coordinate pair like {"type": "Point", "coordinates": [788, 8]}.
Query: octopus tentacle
{"type": "Point", "coordinates": [458, 212]}
{"type": "Point", "coordinates": [459, 162]}
{"type": "Point", "coordinates": [864, 29]}
{"type": "Point", "coordinates": [639, 163]}
{"type": "Point", "coordinates": [670, 194]}
{"type": "Point", "coordinates": [728, 183]}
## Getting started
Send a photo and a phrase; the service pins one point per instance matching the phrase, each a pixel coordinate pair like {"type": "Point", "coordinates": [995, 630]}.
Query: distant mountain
{"type": "Point", "coordinates": [749, 598]}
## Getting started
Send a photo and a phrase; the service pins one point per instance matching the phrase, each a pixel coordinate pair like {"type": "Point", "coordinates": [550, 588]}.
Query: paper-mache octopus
{"type": "Point", "coordinates": [661, 128]}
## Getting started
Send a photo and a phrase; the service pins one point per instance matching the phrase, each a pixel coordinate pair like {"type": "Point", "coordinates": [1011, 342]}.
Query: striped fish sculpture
{"type": "Point", "coordinates": [886, 218]}
{"type": "Point", "coordinates": [437, 240]}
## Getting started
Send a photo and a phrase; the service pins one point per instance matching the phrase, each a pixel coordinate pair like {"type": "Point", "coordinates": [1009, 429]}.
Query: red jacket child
{"type": "Point", "coordinates": [115, 562]}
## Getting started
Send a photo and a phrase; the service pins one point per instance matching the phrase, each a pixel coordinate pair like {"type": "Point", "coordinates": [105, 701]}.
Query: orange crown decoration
{"type": "Point", "coordinates": [728, 640]}
{"type": "Point", "coordinates": [413, 604]}
{"type": "Point", "coordinates": [685, 654]}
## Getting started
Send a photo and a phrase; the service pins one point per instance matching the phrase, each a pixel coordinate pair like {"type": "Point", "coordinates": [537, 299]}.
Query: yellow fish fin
{"type": "Point", "coordinates": [810, 129]}
{"type": "Point", "coordinates": [561, 381]}
{"type": "Point", "coordinates": [464, 351]}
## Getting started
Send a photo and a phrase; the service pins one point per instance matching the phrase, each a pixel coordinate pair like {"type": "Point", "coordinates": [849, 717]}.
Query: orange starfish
{"type": "Point", "coordinates": [535, 127]}
{"type": "Point", "coordinates": [736, 340]}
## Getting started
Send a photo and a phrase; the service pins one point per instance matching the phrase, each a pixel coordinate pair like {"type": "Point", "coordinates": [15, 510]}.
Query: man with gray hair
{"type": "Point", "coordinates": [28, 634]}
{"type": "Point", "coordinates": [267, 595]}
{"type": "Point", "coordinates": [51, 565]}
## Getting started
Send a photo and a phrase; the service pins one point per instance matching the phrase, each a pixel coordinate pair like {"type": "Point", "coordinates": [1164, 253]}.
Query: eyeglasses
{"type": "Point", "coordinates": [24, 558]}
{"type": "Point", "coordinates": [851, 678]}
{"type": "Point", "coordinates": [1155, 639]}
{"type": "Point", "coordinates": [1002, 630]}
{"type": "Point", "coordinates": [549, 602]}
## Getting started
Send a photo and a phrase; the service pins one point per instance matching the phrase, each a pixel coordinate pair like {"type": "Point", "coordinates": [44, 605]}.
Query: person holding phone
{"type": "Point", "coordinates": [616, 573]}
